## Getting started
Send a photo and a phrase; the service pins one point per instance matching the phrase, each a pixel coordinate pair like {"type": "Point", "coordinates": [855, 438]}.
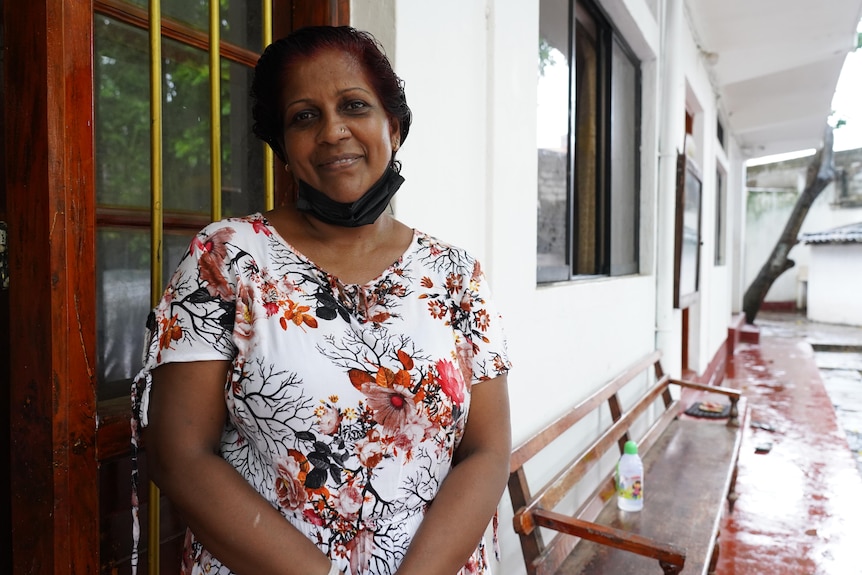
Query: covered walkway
{"type": "Point", "coordinates": [799, 509]}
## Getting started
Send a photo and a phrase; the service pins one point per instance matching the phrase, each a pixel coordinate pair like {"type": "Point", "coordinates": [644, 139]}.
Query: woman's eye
{"type": "Point", "coordinates": [356, 105]}
{"type": "Point", "coordinates": [303, 116]}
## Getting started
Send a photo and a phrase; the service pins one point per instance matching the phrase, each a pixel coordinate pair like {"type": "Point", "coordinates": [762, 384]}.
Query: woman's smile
{"type": "Point", "coordinates": [341, 162]}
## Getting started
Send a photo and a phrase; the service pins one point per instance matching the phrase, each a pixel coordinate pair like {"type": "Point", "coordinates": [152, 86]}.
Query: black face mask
{"type": "Point", "coordinates": [362, 212]}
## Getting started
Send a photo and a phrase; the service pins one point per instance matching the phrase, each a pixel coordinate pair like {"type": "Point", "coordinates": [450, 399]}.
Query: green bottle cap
{"type": "Point", "coordinates": [631, 448]}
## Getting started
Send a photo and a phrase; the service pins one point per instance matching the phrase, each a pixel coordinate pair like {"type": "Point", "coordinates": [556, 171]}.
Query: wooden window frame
{"type": "Point", "coordinates": [687, 173]}
{"type": "Point", "coordinates": [114, 414]}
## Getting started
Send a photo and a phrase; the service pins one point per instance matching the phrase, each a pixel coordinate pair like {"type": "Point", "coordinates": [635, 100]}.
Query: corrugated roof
{"type": "Point", "coordinates": [849, 234]}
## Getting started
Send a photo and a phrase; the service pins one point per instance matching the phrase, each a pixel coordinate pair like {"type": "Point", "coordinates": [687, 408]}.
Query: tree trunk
{"type": "Point", "coordinates": [821, 171]}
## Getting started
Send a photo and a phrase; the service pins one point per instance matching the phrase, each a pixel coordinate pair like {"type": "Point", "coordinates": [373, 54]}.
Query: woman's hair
{"type": "Point", "coordinates": [266, 87]}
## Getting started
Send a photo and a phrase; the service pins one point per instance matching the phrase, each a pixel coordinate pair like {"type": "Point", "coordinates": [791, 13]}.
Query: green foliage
{"type": "Point", "coordinates": [122, 115]}
{"type": "Point", "coordinates": [835, 120]}
{"type": "Point", "coordinates": [546, 57]}
{"type": "Point", "coordinates": [123, 122]}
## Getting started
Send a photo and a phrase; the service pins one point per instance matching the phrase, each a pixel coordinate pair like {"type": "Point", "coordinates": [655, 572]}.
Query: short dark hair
{"type": "Point", "coordinates": [267, 83]}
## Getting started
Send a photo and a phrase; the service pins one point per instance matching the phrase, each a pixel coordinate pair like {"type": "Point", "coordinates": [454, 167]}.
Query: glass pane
{"type": "Point", "coordinates": [193, 13]}
{"type": "Point", "coordinates": [122, 111]}
{"type": "Point", "coordinates": [588, 238]}
{"type": "Point", "coordinates": [689, 265]}
{"type": "Point", "coordinates": [139, 3]}
{"type": "Point", "coordinates": [553, 140]}
{"type": "Point", "coordinates": [624, 176]}
{"type": "Point", "coordinates": [186, 128]}
{"type": "Point", "coordinates": [720, 220]}
{"type": "Point", "coordinates": [123, 301]}
{"type": "Point", "coordinates": [242, 153]}
{"type": "Point", "coordinates": [241, 20]}
{"type": "Point", "coordinates": [241, 23]}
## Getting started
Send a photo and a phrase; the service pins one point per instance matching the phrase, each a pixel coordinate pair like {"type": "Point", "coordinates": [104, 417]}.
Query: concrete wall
{"type": "Point", "coordinates": [471, 168]}
{"type": "Point", "coordinates": [834, 277]}
{"type": "Point", "coordinates": [771, 194]}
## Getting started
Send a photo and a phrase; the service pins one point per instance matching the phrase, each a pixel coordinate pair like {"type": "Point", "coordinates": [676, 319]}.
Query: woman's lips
{"type": "Point", "coordinates": [339, 162]}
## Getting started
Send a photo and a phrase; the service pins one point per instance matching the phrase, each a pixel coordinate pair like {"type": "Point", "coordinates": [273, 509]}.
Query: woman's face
{"type": "Point", "coordinates": [337, 136]}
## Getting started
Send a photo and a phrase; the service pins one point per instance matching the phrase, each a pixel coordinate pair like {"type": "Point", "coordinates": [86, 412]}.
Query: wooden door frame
{"type": "Point", "coordinates": [51, 524]}
{"type": "Point", "coordinates": [5, 490]}
{"type": "Point", "coordinates": [49, 184]}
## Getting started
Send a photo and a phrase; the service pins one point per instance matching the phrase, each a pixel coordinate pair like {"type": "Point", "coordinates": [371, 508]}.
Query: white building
{"type": "Point", "coordinates": [592, 288]}
{"type": "Point", "coordinates": [835, 275]}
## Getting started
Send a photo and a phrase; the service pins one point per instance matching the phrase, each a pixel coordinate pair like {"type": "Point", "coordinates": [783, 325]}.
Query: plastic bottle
{"type": "Point", "coordinates": [630, 479]}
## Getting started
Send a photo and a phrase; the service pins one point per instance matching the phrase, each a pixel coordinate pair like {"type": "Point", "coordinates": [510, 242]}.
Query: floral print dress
{"type": "Point", "coordinates": [345, 402]}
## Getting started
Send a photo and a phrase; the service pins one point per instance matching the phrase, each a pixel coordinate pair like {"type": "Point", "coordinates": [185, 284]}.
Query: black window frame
{"type": "Point", "coordinates": [606, 38]}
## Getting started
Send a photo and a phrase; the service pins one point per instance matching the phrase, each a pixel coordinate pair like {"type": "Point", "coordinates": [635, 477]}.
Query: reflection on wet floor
{"type": "Point", "coordinates": [842, 375]}
{"type": "Point", "coordinates": [799, 509]}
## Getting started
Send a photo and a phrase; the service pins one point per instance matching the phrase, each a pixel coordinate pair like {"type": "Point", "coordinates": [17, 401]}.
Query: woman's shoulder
{"type": "Point", "coordinates": [433, 249]}
{"type": "Point", "coordinates": [250, 226]}
{"type": "Point", "coordinates": [233, 236]}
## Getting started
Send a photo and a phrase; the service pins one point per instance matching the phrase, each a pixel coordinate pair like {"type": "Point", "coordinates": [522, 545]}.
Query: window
{"type": "Point", "coordinates": [689, 199]}
{"type": "Point", "coordinates": [192, 191]}
{"type": "Point", "coordinates": [720, 217]}
{"type": "Point", "coordinates": [848, 179]}
{"type": "Point", "coordinates": [588, 121]}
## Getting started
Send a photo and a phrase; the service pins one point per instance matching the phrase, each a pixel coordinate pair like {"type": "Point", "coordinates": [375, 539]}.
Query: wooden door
{"type": "Point", "coordinates": [5, 486]}
{"type": "Point", "coordinates": [47, 167]}
{"type": "Point", "coordinates": [87, 193]}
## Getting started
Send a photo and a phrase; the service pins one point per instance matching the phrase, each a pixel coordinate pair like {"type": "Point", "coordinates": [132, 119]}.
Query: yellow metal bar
{"type": "Point", "coordinates": [156, 231]}
{"type": "Point", "coordinates": [268, 175]}
{"type": "Point", "coordinates": [215, 111]}
{"type": "Point", "coordinates": [267, 23]}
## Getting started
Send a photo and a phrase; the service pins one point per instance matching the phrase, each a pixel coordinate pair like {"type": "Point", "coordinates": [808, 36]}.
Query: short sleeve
{"type": "Point", "coordinates": [484, 329]}
{"type": "Point", "coordinates": [194, 319]}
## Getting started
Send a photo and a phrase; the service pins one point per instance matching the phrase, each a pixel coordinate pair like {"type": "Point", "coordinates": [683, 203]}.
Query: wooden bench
{"type": "Point", "coordinates": [689, 473]}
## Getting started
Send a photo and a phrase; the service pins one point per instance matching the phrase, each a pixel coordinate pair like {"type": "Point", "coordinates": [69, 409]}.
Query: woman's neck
{"type": "Point", "coordinates": [354, 255]}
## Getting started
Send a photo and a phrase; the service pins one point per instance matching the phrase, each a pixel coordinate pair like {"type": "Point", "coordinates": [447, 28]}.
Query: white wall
{"type": "Point", "coordinates": [736, 224]}
{"type": "Point", "coordinates": [834, 280]}
{"type": "Point", "coordinates": [470, 166]}
{"type": "Point", "coordinates": [442, 55]}
{"type": "Point", "coordinates": [765, 223]}
{"type": "Point", "coordinates": [710, 316]}
{"type": "Point", "coordinates": [377, 17]}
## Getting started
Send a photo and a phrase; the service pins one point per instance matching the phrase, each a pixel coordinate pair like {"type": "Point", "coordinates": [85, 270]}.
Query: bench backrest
{"type": "Point", "coordinates": [545, 557]}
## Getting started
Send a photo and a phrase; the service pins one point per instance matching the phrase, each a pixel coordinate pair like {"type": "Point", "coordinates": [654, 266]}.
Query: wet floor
{"type": "Point", "coordinates": [799, 510]}
{"type": "Point", "coordinates": [842, 375]}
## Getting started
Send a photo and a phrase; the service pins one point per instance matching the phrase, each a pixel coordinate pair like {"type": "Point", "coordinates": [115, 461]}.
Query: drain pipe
{"type": "Point", "coordinates": [671, 142]}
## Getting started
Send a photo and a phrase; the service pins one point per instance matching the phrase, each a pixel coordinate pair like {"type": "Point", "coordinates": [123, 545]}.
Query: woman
{"type": "Point", "coordinates": [325, 388]}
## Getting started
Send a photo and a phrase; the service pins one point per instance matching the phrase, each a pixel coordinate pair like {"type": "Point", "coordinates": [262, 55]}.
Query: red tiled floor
{"type": "Point", "coordinates": [799, 510]}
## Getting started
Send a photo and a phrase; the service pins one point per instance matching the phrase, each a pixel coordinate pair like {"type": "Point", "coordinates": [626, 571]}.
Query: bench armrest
{"type": "Point", "coordinates": [729, 391]}
{"type": "Point", "coordinates": [671, 557]}
{"type": "Point", "coordinates": [732, 394]}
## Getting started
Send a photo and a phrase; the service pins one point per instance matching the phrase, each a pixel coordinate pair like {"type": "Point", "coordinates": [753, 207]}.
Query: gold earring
{"type": "Point", "coordinates": [286, 167]}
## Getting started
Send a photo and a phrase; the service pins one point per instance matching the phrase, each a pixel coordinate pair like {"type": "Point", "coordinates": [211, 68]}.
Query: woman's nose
{"type": "Point", "coordinates": [334, 130]}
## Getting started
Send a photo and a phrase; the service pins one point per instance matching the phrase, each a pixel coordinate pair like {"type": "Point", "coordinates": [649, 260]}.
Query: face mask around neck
{"type": "Point", "coordinates": [362, 212]}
